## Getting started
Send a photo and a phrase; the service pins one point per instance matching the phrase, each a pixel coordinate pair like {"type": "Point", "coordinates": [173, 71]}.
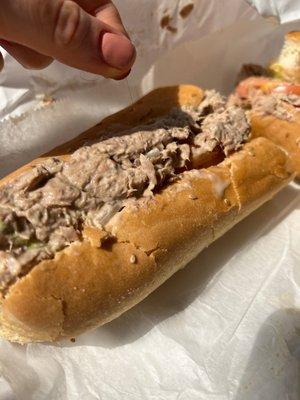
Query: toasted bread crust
{"type": "Point", "coordinates": [287, 67]}
{"type": "Point", "coordinates": [87, 285]}
{"type": "Point", "coordinates": [285, 134]}
{"type": "Point", "coordinates": [294, 35]}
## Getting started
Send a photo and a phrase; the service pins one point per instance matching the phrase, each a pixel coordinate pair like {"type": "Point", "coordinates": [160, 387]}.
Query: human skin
{"type": "Point", "coordinates": [84, 34]}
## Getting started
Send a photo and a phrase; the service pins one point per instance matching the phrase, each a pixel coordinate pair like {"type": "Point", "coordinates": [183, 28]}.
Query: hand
{"type": "Point", "coordinates": [85, 34]}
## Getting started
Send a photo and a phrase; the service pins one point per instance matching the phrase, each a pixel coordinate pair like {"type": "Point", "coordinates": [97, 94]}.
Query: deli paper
{"type": "Point", "coordinates": [283, 11]}
{"type": "Point", "coordinates": [228, 325]}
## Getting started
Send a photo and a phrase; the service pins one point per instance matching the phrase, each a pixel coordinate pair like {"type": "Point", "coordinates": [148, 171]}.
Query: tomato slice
{"type": "Point", "coordinates": [266, 85]}
{"type": "Point", "coordinates": [288, 89]}
{"type": "Point", "coordinates": [251, 83]}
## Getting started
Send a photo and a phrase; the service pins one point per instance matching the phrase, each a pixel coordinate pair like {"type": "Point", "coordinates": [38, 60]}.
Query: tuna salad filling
{"type": "Point", "coordinates": [275, 104]}
{"type": "Point", "coordinates": [46, 208]}
{"type": "Point", "coordinates": [258, 91]}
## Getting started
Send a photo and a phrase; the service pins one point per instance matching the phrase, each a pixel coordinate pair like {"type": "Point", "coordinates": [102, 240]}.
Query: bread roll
{"type": "Point", "coordinates": [274, 100]}
{"type": "Point", "coordinates": [109, 270]}
{"type": "Point", "coordinates": [287, 67]}
{"type": "Point", "coordinates": [285, 133]}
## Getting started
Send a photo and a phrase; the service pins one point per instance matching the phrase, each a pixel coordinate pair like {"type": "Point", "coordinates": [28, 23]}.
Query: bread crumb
{"type": "Point", "coordinates": [193, 197]}
{"type": "Point", "coordinates": [83, 290]}
{"type": "Point", "coordinates": [227, 202]}
{"type": "Point", "coordinates": [133, 259]}
{"type": "Point", "coordinates": [75, 287]}
{"type": "Point", "coordinates": [251, 152]}
{"type": "Point", "coordinates": [45, 99]}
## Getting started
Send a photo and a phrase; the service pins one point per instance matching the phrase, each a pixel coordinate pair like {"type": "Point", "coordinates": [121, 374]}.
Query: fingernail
{"type": "Point", "coordinates": [117, 51]}
{"type": "Point", "coordinates": [123, 76]}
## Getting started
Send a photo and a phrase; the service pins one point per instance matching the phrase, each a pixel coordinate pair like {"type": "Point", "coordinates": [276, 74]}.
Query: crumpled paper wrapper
{"type": "Point", "coordinates": [226, 327]}
{"type": "Point", "coordinates": [283, 11]}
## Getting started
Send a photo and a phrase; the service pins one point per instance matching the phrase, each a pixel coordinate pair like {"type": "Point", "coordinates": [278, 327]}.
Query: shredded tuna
{"type": "Point", "coordinates": [228, 129]}
{"type": "Point", "coordinates": [266, 104]}
{"type": "Point", "coordinates": [45, 209]}
{"type": "Point", "coordinates": [291, 99]}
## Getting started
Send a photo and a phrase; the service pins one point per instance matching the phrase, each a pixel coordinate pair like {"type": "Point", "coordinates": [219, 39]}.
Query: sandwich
{"type": "Point", "coordinates": [93, 227]}
{"type": "Point", "coordinates": [272, 96]}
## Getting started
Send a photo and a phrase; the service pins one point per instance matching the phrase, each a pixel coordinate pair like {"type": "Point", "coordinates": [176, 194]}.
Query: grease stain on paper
{"type": "Point", "coordinates": [186, 10]}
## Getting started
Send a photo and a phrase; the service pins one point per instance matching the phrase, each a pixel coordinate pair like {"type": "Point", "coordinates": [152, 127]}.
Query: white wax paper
{"type": "Point", "coordinates": [283, 11]}
{"type": "Point", "coordinates": [227, 326]}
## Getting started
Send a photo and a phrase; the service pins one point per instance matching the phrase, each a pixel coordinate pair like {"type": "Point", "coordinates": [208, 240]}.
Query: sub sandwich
{"type": "Point", "coordinates": [96, 225]}
{"type": "Point", "coordinates": [273, 96]}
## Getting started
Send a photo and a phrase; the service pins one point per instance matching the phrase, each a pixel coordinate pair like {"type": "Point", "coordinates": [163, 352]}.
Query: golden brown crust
{"type": "Point", "coordinates": [282, 132]}
{"type": "Point", "coordinates": [287, 66]}
{"type": "Point", "coordinates": [81, 283]}
{"type": "Point", "coordinates": [294, 35]}
{"type": "Point", "coordinates": [88, 284]}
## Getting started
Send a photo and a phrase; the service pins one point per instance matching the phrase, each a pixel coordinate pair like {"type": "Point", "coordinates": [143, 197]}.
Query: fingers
{"type": "Point", "coordinates": [63, 30]}
{"type": "Point", "coordinates": [108, 14]}
{"type": "Point", "coordinates": [30, 59]}
{"type": "Point", "coordinates": [117, 51]}
{"type": "Point", "coordinates": [105, 11]}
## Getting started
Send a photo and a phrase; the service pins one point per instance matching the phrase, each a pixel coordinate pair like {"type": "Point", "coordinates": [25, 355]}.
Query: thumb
{"type": "Point", "coordinates": [65, 31]}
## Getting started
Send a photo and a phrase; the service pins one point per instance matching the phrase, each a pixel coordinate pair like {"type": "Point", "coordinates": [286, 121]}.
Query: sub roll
{"type": "Point", "coordinates": [272, 97]}
{"type": "Point", "coordinates": [92, 228]}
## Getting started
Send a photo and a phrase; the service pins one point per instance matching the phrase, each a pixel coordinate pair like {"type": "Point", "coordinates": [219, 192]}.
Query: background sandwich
{"type": "Point", "coordinates": [273, 95]}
